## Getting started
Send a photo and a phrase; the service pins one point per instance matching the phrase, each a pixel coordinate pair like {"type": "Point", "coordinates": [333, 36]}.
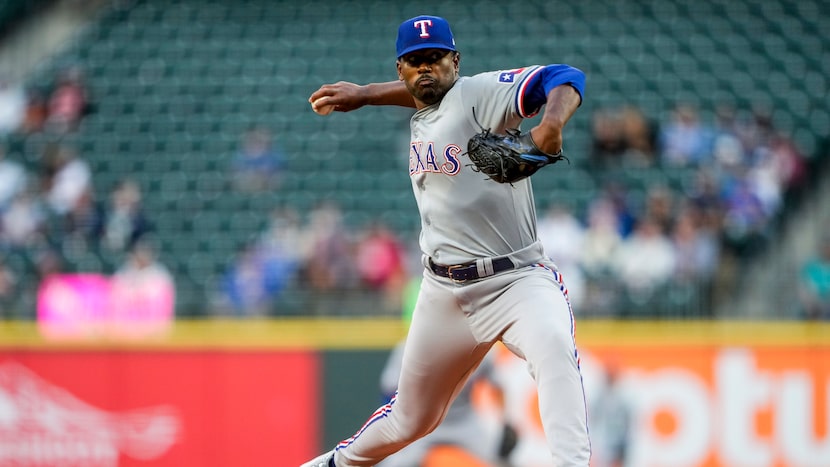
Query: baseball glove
{"type": "Point", "coordinates": [508, 158]}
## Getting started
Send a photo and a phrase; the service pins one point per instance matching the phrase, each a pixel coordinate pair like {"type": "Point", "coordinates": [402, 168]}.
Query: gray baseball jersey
{"type": "Point", "coordinates": [464, 216]}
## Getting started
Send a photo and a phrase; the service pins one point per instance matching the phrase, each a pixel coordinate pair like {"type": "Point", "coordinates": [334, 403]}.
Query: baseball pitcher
{"type": "Point", "coordinates": [486, 276]}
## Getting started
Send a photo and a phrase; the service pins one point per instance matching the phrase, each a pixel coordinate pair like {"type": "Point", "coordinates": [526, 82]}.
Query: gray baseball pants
{"type": "Point", "coordinates": [453, 327]}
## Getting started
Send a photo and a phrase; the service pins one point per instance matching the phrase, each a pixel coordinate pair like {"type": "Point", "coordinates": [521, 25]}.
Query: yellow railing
{"type": "Point", "coordinates": [354, 333]}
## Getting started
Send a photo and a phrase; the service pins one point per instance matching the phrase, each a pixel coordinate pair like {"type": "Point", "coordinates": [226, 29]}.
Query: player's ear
{"type": "Point", "coordinates": [398, 67]}
{"type": "Point", "coordinates": [456, 59]}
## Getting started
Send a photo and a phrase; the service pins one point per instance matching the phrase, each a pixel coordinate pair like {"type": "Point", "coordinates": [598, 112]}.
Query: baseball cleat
{"type": "Point", "coordinates": [326, 460]}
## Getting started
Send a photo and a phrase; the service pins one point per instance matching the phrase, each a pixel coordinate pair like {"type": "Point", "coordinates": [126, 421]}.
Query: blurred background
{"type": "Point", "coordinates": [161, 168]}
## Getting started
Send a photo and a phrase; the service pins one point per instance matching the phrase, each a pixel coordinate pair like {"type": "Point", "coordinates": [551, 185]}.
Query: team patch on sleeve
{"type": "Point", "coordinates": [509, 76]}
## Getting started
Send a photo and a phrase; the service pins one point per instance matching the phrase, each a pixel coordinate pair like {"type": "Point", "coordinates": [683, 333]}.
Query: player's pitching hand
{"type": "Point", "coordinates": [341, 96]}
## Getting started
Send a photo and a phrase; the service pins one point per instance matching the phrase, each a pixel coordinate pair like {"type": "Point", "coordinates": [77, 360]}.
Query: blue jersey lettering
{"type": "Point", "coordinates": [451, 166]}
{"type": "Point", "coordinates": [430, 159]}
{"type": "Point", "coordinates": [423, 159]}
{"type": "Point", "coordinates": [415, 163]}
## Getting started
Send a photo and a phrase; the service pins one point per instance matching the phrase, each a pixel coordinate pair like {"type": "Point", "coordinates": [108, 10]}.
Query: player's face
{"type": "Point", "coordinates": [428, 74]}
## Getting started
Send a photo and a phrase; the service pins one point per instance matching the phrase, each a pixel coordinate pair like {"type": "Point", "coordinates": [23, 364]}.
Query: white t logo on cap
{"type": "Point", "coordinates": [423, 23]}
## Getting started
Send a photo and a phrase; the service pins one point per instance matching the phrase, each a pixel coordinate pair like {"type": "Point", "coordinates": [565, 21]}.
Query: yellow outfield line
{"type": "Point", "coordinates": [368, 334]}
{"type": "Point", "coordinates": [220, 334]}
{"type": "Point", "coordinates": [715, 333]}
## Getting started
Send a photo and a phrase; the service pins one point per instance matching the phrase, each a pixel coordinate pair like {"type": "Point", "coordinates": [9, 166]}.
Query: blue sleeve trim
{"type": "Point", "coordinates": [533, 93]}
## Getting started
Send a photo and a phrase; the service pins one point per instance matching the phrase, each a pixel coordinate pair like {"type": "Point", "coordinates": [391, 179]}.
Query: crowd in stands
{"type": "Point", "coordinates": [684, 241]}
{"type": "Point", "coordinates": [58, 108]}
{"type": "Point", "coordinates": [320, 255]}
{"type": "Point", "coordinates": [740, 170]}
{"type": "Point", "coordinates": [50, 213]}
{"type": "Point", "coordinates": [663, 252]}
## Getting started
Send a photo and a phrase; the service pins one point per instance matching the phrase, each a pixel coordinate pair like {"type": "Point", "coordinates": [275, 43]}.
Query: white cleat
{"type": "Point", "coordinates": [322, 461]}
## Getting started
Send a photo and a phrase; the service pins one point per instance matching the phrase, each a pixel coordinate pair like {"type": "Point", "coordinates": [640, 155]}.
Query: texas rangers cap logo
{"type": "Point", "coordinates": [424, 32]}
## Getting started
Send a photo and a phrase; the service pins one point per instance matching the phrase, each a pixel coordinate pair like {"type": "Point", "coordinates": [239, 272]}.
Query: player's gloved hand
{"type": "Point", "coordinates": [508, 158]}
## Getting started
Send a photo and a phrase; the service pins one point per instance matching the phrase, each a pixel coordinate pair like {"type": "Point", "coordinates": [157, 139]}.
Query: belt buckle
{"type": "Point", "coordinates": [450, 275]}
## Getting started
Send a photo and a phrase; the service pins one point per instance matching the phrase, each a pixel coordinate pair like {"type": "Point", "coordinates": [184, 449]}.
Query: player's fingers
{"type": "Point", "coordinates": [327, 90]}
{"type": "Point", "coordinates": [320, 101]}
{"type": "Point", "coordinates": [341, 96]}
{"type": "Point", "coordinates": [323, 91]}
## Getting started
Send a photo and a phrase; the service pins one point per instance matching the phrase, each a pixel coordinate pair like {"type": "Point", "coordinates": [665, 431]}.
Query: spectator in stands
{"type": "Point", "coordinates": [814, 282]}
{"type": "Point", "coordinates": [23, 222]}
{"type": "Point", "coordinates": [68, 102]}
{"type": "Point", "coordinates": [766, 182]}
{"type": "Point", "coordinates": [12, 106]}
{"type": "Point", "coordinates": [562, 235]}
{"type": "Point", "coordinates": [37, 112]}
{"type": "Point", "coordinates": [8, 290]}
{"type": "Point", "coordinates": [125, 221]}
{"type": "Point", "coordinates": [284, 238]}
{"type": "Point", "coordinates": [622, 137]}
{"type": "Point", "coordinates": [258, 163]}
{"type": "Point", "coordinates": [745, 221]}
{"type": "Point", "coordinates": [755, 131]}
{"type": "Point", "coordinates": [242, 287]}
{"type": "Point", "coordinates": [282, 249]}
{"type": "Point", "coordinates": [639, 136]}
{"type": "Point", "coordinates": [775, 165]}
{"type": "Point", "coordinates": [696, 248]}
{"type": "Point", "coordinates": [66, 178]}
{"type": "Point", "coordinates": [264, 268]}
{"type": "Point", "coordinates": [601, 240]}
{"type": "Point", "coordinates": [685, 140]}
{"type": "Point", "coordinates": [659, 206]}
{"type": "Point", "coordinates": [607, 139]}
{"type": "Point", "coordinates": [47, 261]}
{"type": "Point", "coordinates": [13, 179]}
{"type": "Point", "coordinates": [252, 283]}
{"type": "Point", "coordinates": [380, 260]}
{"type": "Point", "coordinates": [624, 206]}
{"type": "Point", "coordinates": [81, 228]}
{"type": "Point", "coordinates": [144, 292]}
{"type": "Point", "coordinates": [331, 264]}
{"type": "Point", "coordinates": [645, 261]}
{"type": "Point", "coordinates": [705, 197]}
{"type": "Point", "coordinates": [728, 153]}
{"type": "Point", "coordinates": [790, 164]}
{"type": "Point", "coordinates": [731, 141]}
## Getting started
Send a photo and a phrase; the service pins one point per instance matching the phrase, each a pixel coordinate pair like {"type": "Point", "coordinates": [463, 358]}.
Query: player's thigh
{"type": "Point", "coordinates": [439, 355]}
{"type": "Point", "coordinates": [542, 319]}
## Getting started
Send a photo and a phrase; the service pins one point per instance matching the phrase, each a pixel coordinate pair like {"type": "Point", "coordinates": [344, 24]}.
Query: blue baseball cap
{"type": "Point", "coordinates": [424, 32]}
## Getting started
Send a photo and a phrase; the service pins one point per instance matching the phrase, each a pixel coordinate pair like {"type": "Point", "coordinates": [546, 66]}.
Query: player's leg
{"type": "Point", "coordinates": [439, 356]}
{"type": "Point", "coordinates": [409, 456]}
{"type": "Point", "coordinates": [543, 334]}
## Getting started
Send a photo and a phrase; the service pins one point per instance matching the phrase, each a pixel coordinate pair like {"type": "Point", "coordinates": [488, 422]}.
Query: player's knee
{"type": "Point", "coordinates": [415, 428]}
{"type": "Point", "coordinates": [547, 350]}
{"type": "Point", "coordinates": [550, 341]}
